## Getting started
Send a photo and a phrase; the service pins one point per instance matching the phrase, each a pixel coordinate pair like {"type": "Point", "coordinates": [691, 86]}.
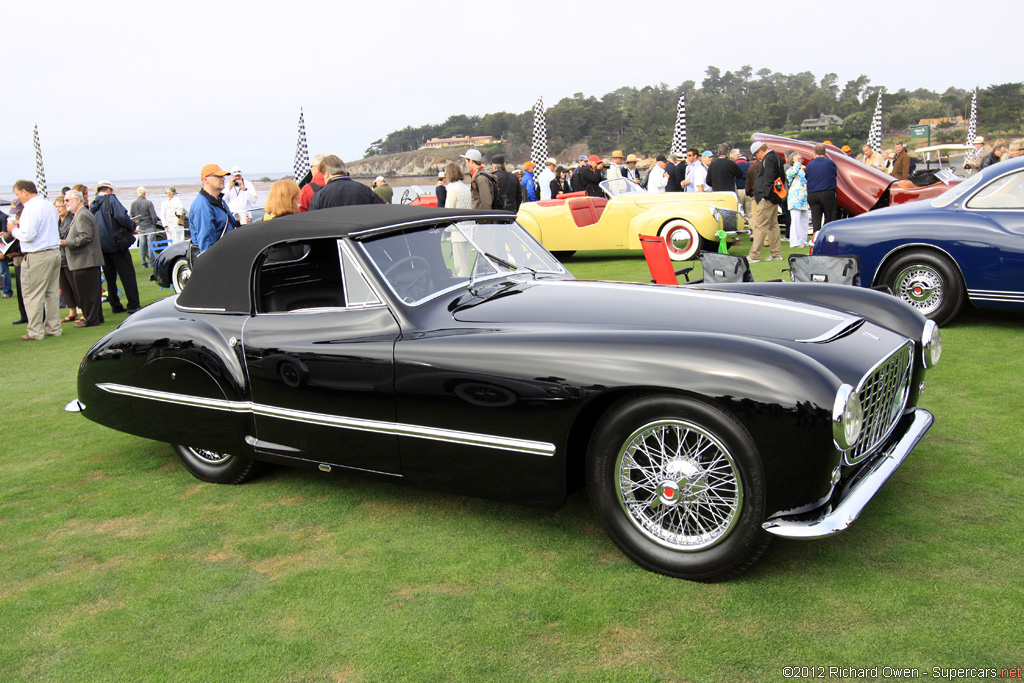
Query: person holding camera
{"type": "Point", "coordinates": [591, 176]}
{"type": "Point", "coordinates": [240, 196]}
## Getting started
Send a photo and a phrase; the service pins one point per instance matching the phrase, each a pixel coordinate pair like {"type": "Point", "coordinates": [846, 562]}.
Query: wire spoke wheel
{"type": "Point", "coordinates": [216, 467]}
{"type": "Point", "coordinates": [928, 281]}
{"type": "Point", "coordinates": [678, 485]}
{"type": "Point", "coordinates": [921, 287]}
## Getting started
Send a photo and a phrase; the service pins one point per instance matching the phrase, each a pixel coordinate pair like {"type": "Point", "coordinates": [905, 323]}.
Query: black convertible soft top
{"type": "Point", "coordinates": [221, 276]}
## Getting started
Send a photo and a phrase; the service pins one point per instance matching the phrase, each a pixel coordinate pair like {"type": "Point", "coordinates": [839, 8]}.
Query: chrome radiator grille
{"type": "Point", "coordinates": [883, 395]}
{"type": "Point", "coordinates": [730, 219]}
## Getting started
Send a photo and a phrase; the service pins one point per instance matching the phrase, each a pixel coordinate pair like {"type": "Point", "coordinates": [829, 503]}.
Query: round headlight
{"type": "Point", "coordinates": [714, 212]}
{"type": "Point", "coordinates": [847, 418]}
{"type": "Point", "coordinates": [931, 344]}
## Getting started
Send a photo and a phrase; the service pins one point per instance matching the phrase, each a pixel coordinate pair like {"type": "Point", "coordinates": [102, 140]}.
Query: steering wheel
{"type": "Point", "coordinates": [410, 276]}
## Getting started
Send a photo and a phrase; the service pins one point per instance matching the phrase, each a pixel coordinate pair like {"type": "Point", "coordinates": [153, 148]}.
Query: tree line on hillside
{"type": "Point", "coordinates": [726, 108]}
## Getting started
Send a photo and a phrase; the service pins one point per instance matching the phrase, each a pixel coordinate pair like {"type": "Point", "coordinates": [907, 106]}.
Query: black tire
{"type": "Point", "coordinates": [181, 271]}
{"type": "Point", "coordinates": [214, 467]}
{"type": "Point", "coordinates": [656, 451]}
{"type": "Point", "coordinates": [929, 282]}
{"type": "Point", "coordinates": [563, 255]}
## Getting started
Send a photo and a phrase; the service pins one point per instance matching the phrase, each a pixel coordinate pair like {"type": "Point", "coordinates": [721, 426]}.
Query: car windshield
{"type": "Point", "coordinates": [421, 263]}
{"type": "Point", "coordinates": [616, 187]}
{"type": "Point", "coordinates": [957, 191]}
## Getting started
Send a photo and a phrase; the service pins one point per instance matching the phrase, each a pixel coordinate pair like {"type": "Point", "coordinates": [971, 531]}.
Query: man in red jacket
{"type": "Point", "coordinates": [306, 195]}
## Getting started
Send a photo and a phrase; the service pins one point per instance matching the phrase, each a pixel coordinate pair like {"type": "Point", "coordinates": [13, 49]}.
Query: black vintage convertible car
{"type": "Point", "coordinates": [448, 349]}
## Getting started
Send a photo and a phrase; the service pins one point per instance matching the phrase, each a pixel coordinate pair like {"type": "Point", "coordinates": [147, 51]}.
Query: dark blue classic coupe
{"type": "Point", "coordinates": [448, 349]}
{"type": "Point", "coordinates": [965, 245]}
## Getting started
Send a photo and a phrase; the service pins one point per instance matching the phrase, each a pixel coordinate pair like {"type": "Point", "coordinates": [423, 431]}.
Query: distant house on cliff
{"type": "Point", "coordinates": [955, 121]}
{"type": "Point", "coordinates": [464, 140]}
{"type": "Point", "coordinates": [823, 122]}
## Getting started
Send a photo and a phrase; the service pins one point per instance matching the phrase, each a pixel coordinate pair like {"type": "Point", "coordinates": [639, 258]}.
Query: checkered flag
{"type": "Point", "coordinates": [972, 128]}
{"type": "Point", "coordinates": [539, 151]}
{"type": "Point", "coordinates": [301, 167]}
{"type": "Point", "coordinates": [875, 135]}
{"type": "Point", "coordinates": [40, 173]}
{"type": "Point", "coordinates": [679, 137]}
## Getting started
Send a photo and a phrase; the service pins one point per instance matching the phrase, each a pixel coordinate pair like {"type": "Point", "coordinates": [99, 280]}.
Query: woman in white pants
{"type": "Point", "coordinates": [799, 210]}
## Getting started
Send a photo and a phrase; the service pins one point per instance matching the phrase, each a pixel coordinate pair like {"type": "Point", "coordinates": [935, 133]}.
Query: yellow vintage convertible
{"type": "Point", "coordinates": [688, 220]}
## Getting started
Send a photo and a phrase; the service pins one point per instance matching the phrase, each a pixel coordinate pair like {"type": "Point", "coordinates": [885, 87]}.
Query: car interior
{"type": "Point", "coordinates": [301, 275]}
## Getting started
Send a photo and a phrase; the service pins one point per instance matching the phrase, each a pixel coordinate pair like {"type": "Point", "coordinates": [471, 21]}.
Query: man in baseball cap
{"type": "Point", "coordinates": [483, 186]}
{"type": "Point", "coordinates": [209, 217]}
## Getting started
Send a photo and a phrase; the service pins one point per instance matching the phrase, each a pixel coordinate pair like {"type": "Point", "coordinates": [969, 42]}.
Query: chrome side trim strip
{"type": "Point", "coordinates": [860, 492]}
{"type": "Point", "coordinates": [193, 309]}
{"type": "Point", "coordinates": [996, 295]}
{"type": "Point", "coordinates": [415, 431]}
{"type": "Point", "coordinates": [178, 399]}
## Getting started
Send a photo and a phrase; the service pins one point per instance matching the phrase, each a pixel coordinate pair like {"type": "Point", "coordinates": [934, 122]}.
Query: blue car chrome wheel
{"type": "Point", "coordinates": [929, 282]}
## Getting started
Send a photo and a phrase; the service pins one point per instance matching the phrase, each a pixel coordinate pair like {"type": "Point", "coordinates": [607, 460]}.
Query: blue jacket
{"type": "Point", "coordinates": [118, 213]}
{"type": "Point", "coordinates": [821, 174]}
{"type": "Point", "coordinates": [531, 187]}
{"type": "Point", "coordinates": [208, 218]}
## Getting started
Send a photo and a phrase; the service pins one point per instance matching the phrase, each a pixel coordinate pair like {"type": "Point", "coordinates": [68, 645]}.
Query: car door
{"type": "Point", "coordinates": [319, 352]}
{"type": "Point", "coordinates": [1001, 202]}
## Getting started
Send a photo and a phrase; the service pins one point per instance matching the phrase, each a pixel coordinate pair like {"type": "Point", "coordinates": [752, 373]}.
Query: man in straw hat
{"type": "Point", "coordinates": [615, 167]}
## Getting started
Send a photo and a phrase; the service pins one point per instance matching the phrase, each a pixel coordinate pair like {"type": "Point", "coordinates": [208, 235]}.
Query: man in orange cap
{"type": "Point", "coordinates": [528, 181]}
{"type": "Point", "coordinates": [209, 216]}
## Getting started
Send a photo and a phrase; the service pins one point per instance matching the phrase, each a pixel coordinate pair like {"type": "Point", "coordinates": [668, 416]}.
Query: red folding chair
{"type": "Point", "coordinates": [659, 262]}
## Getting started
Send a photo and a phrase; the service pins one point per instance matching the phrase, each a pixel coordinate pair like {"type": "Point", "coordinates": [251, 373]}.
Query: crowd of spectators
{"type": "Point", "coordinates": [66, 246]}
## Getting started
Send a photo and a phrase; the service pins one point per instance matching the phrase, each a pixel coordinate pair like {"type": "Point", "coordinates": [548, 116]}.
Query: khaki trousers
{"type": "Point", "coordinates": [40, 275]}
{"type": "Point", "coordinates": [766, 224]}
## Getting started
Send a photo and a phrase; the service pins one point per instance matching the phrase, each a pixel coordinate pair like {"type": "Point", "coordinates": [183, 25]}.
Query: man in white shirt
{"type": "Point", "coordinates": [614, 169]}
{"type": "Point", "coordinates": [171, 211]}
{"type": "Point", "coordinates": [240, 196]}
{"type": "Point", "coordinates": [696, 172]}
{"type": "Point", "coordinates": [545, 178]}
{"type": "Point", "coordinates": [657, 179]}
{"type": "Point", "coordinates": [40, 268]}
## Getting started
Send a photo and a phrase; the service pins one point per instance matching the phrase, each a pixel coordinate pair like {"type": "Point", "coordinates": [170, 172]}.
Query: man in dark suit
{"type": "Point", "coordinates": [340, 189]}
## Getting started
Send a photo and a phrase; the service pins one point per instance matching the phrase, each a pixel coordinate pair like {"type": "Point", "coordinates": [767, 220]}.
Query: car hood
{"type": "Point", "coordinates": [607, 305]}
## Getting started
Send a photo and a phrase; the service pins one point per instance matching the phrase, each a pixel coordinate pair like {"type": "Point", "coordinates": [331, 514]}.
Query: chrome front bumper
{"type": "Point", "coordinates": [866, 484]}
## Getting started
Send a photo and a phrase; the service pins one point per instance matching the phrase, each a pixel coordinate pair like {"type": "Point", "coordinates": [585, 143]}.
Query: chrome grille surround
{"type": "Point", "coordinates": [883, 394]}
{"type": "Point", "coordinates": [730, 219]}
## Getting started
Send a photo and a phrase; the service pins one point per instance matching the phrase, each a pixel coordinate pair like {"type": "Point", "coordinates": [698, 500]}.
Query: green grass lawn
{"type": "Point", "coordinates": [117, 565]}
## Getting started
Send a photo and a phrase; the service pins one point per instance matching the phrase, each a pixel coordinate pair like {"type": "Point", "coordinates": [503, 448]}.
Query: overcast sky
{"type": "Point", "coordinates": [138, 90]}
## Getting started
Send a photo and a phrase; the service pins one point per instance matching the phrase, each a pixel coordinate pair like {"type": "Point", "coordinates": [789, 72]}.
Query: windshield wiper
{"type": "Point", "coordinates": [507, 264]}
